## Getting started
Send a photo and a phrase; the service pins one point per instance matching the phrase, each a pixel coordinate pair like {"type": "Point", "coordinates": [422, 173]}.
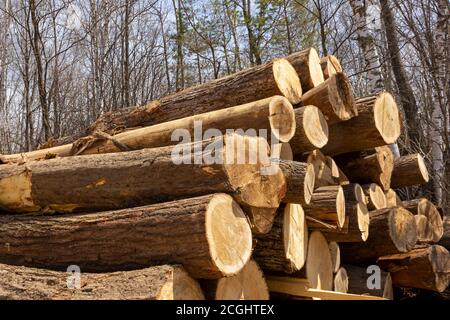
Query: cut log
{"type": "Point", "coordinates": [426, 268]}
{"type": "Point", "coordinates": [328, 205]}
{"type": "Point", "coordinates": [409, 170]}
{"type": "Point", "coordinates": [298, 289]}
{"type": "Point", "coordinates": [335, 256]}
{"type": "Point", "coordinates": [330, 66]}
{"type": "Point", "coordinates": [300, 179]}
{"type": "Point", "coordinates": [375, 196]}
{"type": "Point", "coordinates": [445, 240]}
{"type": "Point", "coordinates": [424, 229]}
{"type": "Point", "coordinates": [426, 208]}
{"type": "Point", "coordinates": [120, 180]}
{"type": "Point", "coordinates": [361, 282]}
{"type": "Point", "coordinates": [323, 173]}
{"type": "Point", "coordinates": [284, 248]}
{"type": "Point", "coordinates": [392, 230]}
{"type": "Point", "coordinates": [311, 132]}
{"type": "Point", "coordinates": [282, 151]}
{"type": "Point", "coordinates": [154, 283]}
{"type": "Point", "coordinates": [190, 232]}
{"type": "Point", "coordinates": [274, 114]}
{"type": "Point", "coordinates": [371, 166]}
{"type": "Point", "coordinates": [318, 269]}
{"type": "Point", "coordinates": [337, 174]}
{"type": "Point", "coordinates": [340, 283]}
{"type": "Point", "coordinates": [249, 284]}
{"type": "Point", "coordinates": [307, 65]}
{"type": "Point", "coordinates": [377, 124]}
{"type": "Point", "coordinates": [277, 77]}
{"type": "Point", "coordinates": [392, 199]}
{"type": "Point", "coordinates": [356, 227]}
{"type": "Point", "coordinates": [334, 98]}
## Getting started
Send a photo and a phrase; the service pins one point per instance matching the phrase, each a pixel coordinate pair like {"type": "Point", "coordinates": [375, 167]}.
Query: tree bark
{"type": "Point", "coordinates": [391, 231]}
{"type": "Point", "coordinates": [299, 178]}
{"type": "Point", "coordinates": [334, 98]}
{"type": "Point", "coordinates": [359, 282]}
{"type": "Point", "coordinates": [283, 249]}
{"type": "Point", "coordinates": [377, 124]}
{"type": "Point", "coordinates": [274, 114]}
{"type": "Point", "coordinates": [307, 65]}
{"type": "Point", "coordinates": [248, 284]}
{"type": "Point", "coordinates": [274, 78]}
{"type": "Point", "coordinates": [369, 166]}
{"type": "Point", "coordinates": [408, 171]}
{"type": "Point", "coordinates": [445, 240]}
{"type": "Point", "coordinates": [154, 283]}
{"type": "Point", "coordinates": [311, 130]}
{"type": "Point", "coordinates": [425, 268]}
{"type": "Point", "coordinates": [190, 232]}
{"type": "Point", "coordinates": [121, 180]}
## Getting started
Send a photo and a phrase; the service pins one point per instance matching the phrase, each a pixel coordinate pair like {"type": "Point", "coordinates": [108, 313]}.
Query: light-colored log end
{"type": "Point", "coordinates": [402, 229]}
{"type": "Point", "coordinates": [282, 118]}
{"type": "Point", "coordinates": [335, 255]}
{"type": "Point", "coordinates": [319, 267]}
{"type": "Point", "coordinates": [287, 80]}
{"type": "Point", "coordinates": [387, 117]}
{"type": "Point", "coordinates": [341, 281]}
{"type": "Point", "coordinates": [315, 126]}
{"type": "Point", "coordinates": [295, 235]}
{"type": "Point", "coordinates": [315, 69]}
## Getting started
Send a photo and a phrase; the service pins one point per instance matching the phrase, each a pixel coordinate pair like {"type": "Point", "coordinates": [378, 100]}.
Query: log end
{"type": "Point", "coordinates": [428, 209]}
{"type": "Point", "coordinates": [341, 281]}
{"type": "Point", "coordinates": [440, 262]}
{"type": "Point", "coordinates": [402, 229]}
{"type": "Point", "coordinates": [310, 180]}
{"type": "Point", "coordinates": [344, 97]}
{"type": "Point", "coordinates": [387, 117]}
{"type": "Point", "coordinates": [224, 220]}
{"type": "Point", "coordinates": [340, 207]}
{"type": "Point", "coordinates": [315, 126]}
{"type": "Point", "coordinates": [315, 68]}
{"type": "Point", "coordinates": [282, 118]}
{"type": "Point", "coordinates": [287, 80]}
{"type": "Point", "coordinates": [181, 287]}
{"type": "Point", "coordinates": [295, 236]}
{"type": "Point", "coordinates": [423, 168]}
{"type": "Point", "coordinates": [363, 220]}
{"type": "Point", "coordinates": [377, 198]}
{"type": "Point", "coordinates": [319, 267]}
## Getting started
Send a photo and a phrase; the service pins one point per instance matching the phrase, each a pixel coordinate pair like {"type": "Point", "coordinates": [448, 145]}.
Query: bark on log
{"type": "Point", "coordinates": [334, 98]}
{"type": "Point", "coordinates": [335, 253]}
{"type": "Point", "coordinates": [359, 281]}
{"type": "Point", "coordinates": [409, 170]}
{"type": "Point", "coordinates": [277, 77]}
{"type": "Point", "coordinates": [284, 248]}
{"type": "Point", "coordinates": [425, 268]}
{"type": "Point", "coordinates": [282, 151]}
{"type": "Point", "coordinates": [340, 282]}
{"type": "Point", "coordinates": [121, 180]}
{"type": "Point", "coordinates": [307, 65]}
{"type": "Point", "coordinates": [392, 199]}
{"type": "Point", "coordinates": [328, 205]}
{"type": "Point", "coordinates": [330, 66]}
{"type": "Point", "coordinates": [376, 199]}
{"type": "Point", "coordinates": [377, 124]}
{"type": "Point", "coordinates": [190, 232]}
{"type": "Point", "coordinates": [445, 240]}
{"type": "Point", "coordinates": [375, 165]}
{"type": "Point", "coordinates": [274, 114]}
{"type": "Point", "coordinates": [300, 179]}
{"type": "Point", "coordinates": [323, 173]}
{"type": "Point", "coordinates": [248, 284]}
{"type": "Point", "coordinates": [155, 283]}
{"type": "Point", "coordinates": [391, 230]}
{"type": "Point", "coordinates": [337, 174]}
{"type": "Point", "coordinates": [426, 208]}
{"type": "Point", "coordinates": [311, 132]}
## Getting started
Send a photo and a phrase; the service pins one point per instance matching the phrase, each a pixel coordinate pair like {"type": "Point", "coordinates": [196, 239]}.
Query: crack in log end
{"type": "Point", "coordinates": [282, 118]}
{"type": "Point", "coordinates": [287, 80]}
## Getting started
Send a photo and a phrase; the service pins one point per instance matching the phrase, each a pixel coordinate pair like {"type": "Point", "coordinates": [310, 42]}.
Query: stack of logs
{"type": "Point", "coordinates": [144, 209]}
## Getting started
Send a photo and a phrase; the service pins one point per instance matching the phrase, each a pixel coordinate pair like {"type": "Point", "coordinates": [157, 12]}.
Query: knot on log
{"type": "Point", "coordinates": [85, 143]}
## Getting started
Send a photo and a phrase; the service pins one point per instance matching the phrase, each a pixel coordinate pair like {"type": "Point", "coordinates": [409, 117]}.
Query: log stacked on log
{"type": "Point", "coordinates": [164, 202]}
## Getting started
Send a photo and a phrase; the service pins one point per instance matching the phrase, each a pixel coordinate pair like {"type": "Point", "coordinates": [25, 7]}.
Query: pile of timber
{"type": "Point", "coordinates": [163, 201]}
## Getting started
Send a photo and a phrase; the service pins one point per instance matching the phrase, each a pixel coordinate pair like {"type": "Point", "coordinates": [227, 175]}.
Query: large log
{"type": "Point", "coordinates": [361, 282]}
{"type": "Point", "coordinates": [121, 180]}
{"type": "Point", "coordinates": [300, 179]}
{"type": "Point", "coordinates": [426, 208]}
{"type": "Point", "coordinates": [208, 235]}
{"type": "Point", "coordinates": [248, 284]}
{"type": "Point", "coordinates": [392, 199]}
{"type": "Point", "coordinates": [154, 283]}
{"type": "Point", "coordinates": [409, 170]}
{"type": "Point", "coordinates": [376, 199]}
{"type": "Point", "coordinates": [328, 205]}
{"type": "Point", "coordinates": [311, 132]}
{"type": "Point", "coordinates": [307, 65]}
{"type": "Point", "coordinates": [330, 66]}
{"type": "Point", "coordinates": [274, 114]}
{"type": "Point", "coordinates": [277, 77]}
{"type": "Point", "coordinates": [340, 282]}
{"type": "Point", "coordinates": [425, 268]}
{"type": "Point", "coordinates": [391, 230]}
{"type": "Point", "coordinates": [375, 165]}
{"type": "Point", "coordinates": [377, 124]}
{"type": "Point", "coordinates": [445, 240]}
{"type": "Point", "coordinates": [334, 98]}
{"type": "Point", "coordinates": [323, 173]}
